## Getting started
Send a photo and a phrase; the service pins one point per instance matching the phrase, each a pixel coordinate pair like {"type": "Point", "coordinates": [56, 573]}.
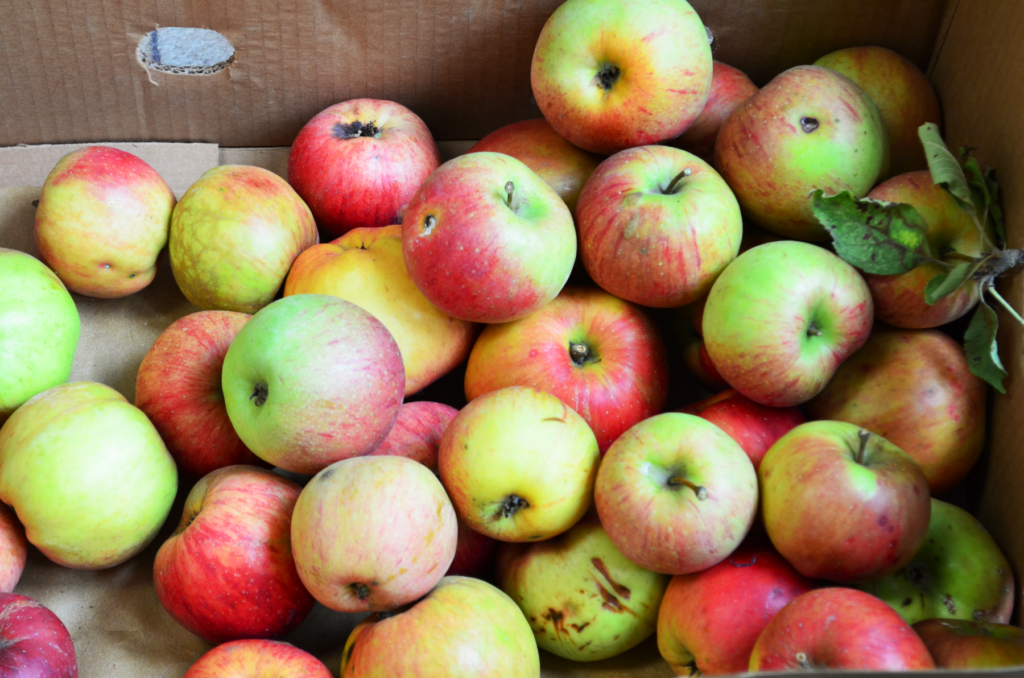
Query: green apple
{"type": "Point", "coordinates": [39, 328]}
{"type": "Point", "coordinates": [959, 573]}
{"type": "Point", "coordinates": [312, 379]}
{"type": "Point", "coordinates": [519, 464]}
{"type": "Point", "coordinates": [584, 600]}
{"type": "Point", "coordinates": [87, 474]}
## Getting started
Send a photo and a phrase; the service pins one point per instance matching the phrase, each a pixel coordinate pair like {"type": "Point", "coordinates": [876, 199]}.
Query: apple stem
{"type": "Point", "coordinates": [865, 436]}
{"type": "Point", "coordinates": [801, 661]}
{"type": "Point", "coordinates": [509, 188]}
{"type": "Point", "coordinates": [679, 177]}
{"type": "Point", "coordinates": [579, 353]}
{"type": "Point", "coordinates": [1005, 304]}
{"type": "Point", "coordinates": [699, 490]}
{"type": "Point", "coordinates": [813, 330]}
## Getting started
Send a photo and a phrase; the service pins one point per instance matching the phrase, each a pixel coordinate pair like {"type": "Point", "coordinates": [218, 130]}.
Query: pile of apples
{"type": "Point", "coordinates": [560, 508]}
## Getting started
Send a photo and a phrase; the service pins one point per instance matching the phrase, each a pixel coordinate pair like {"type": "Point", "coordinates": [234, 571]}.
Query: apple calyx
{"type": "Point", "coordinates": [581, 354]}
{"type": "Point", "coordinates": [259, 394]}
{"type": "Point", "coordinates": [511, 505]}
{"type": "Point", "coordinates": [671, 188]}
{"type": "Point", "coordinates": [607, 76]}
{"type": "Point", "coordinates": [362, 591]}
{"type": "Point", "coordinates": [699, 490]}
{"type": "Point", "coordinates": [809, 124]}
{"type": "Point", "coordinates": [428, 224]}
{"type": "Point", "coordinates": [356, 129]}
{"type": "Point", "coordinates": [691, 666]}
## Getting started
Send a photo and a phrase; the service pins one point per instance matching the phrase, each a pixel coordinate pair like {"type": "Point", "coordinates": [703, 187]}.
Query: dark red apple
{"type": "Point", "coordinates": [599, 355]}
{"type": "Point", "coordinates": [838, 628]}
{"type": "Point", "coordinates": [358, 163]}
{"type": "Point", "coordinates": [34, 643]}
{"type": "Point", "coordinates": [730, 87]}
{"type": "Point", "coordinates": [710, 620]}
{"type": "Point", "coordinates": [227, 573]}
{"type": "Point", "coordinates": [179, 388]}
{"type": "Point", "coordinates": [417, 432]}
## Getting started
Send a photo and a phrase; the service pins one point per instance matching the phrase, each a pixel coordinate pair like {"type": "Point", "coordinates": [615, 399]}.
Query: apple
{"type": "Point", "coordinates": [33, 641]}
{"type": "Point", "coordinates": [13, 549]}
{"type": "Point", "coordinates": [959, 573]}
{"type": "Point", "coordinates": [899, 299]}
{"type": "Point", "coordinates": [358, 163]}
{"type": "Point", "coordinates": [39, 328]}
{"type": "Point", "coordinates": [837, 628]}
{"type": "Point", "coordinates": [808, 128]}
{"type": "Point", "coordinates": [782, 317]}
{"type": "Point", "coordinates": [966, 644]}
{"type": "Point", "coordinates": [535, 143]}
{"type": "Point", "coordinates": [365, 266]}
{"type": "Point", "coordinates": [842, 503]}
{"type": "Point", "coordinates": [179, 388]}
{"type": "Point", "coordinates": [709, 620]}
{"type": "Point", "coordinates": [901, 92]}
{"type": "Point", "coordinates": [519, 464]}
{"type": "Point", "coordinates": [234, 235]}
{"type": "Point", "coordinates": [87, 474]}
{"type": "Point", "coordinates": [686, 326]}
{"type": "Point", "coordinates": [730, 87]}
{"type": "Point", "coordinates": [312, 379]}
{"type": "Point", "coordinates": [601, 356]}
{"type": "Point", "coordinates": [657, 226]}
{"type": "Point", "coordinates": [584, 600]}
{"type": "Point", "coordinates": [372, 533]}
{"type": "Point", "coordinates": [463, 628]}
{"type": "Point", "coordinates": [915, 389]}
{"type": "Point", "coordinates": [102, 221]}
{"type": "Point", "coordinates": [227, 572]}
{"type": "Point", "coordinates": [255, 658]}
{"type": "Point", "coordinates": [486, 240]}
{"type": "Point", "coordinates": [475, 553]}
{"type": "Point", "coordinates": [614, 74]}
{"type": "Point", "coordinates": [754, 426]}
{"type": "Point", "coordinates": [676, 494]}
{"type": "Point", "coordinates": [417, 432]}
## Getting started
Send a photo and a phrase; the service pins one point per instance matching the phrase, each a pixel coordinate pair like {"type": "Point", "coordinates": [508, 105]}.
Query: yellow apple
{"type": "Point", "coordinates": [365, 266]}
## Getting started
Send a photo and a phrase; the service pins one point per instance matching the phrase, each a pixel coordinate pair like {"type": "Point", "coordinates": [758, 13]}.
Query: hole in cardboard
{"type": "Point", "coordinates": [187, 51]}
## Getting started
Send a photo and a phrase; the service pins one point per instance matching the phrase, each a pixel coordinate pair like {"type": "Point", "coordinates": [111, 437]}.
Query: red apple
{"type": "Point", "coordinates": [899, 299]}
{"type": "Point", "coordinates": [13, 549]}
{"type": "Point", "coordinates": [358, 163]}
{"type": "Point", "coordinates": [34, 643]}
{"type": "Point", "coordinates": [373, 533]}
{"type": "Point", "coordinates": [417, 432]}
{"type": "Point", "coordinates": [179, 388]}
{"type": "Point", "coordinates": [657, 226]}
{"type": "Point", "coordinates": [564, 167]}
{"type": "Point", "coordinates": [676, 494]}
{"type": "Point", "coordinates": [486, 240]}
{"type": "Point", "coordinates": [965, 644]}
{"type": "Point", "coordinates": [915, 389]}
{"type": "Point", "coordinates": [475, 553]}
{"type": "Point", "coordinates": [613, 74]}
{"type": "Point", "coordinates": [102, 221]}
{"type": "Point", "coordinates": [754, 426]}
{"type": "Point", "coordinates": [808, 128]}
{"type": "Point", "coordinates": [842, 503]}
{"type": "Point", "coordinates": [258, 659]}
{"type": "Point", "coordinates": [730, 87]}
{"type": "Point", "coordinates": [837, 628]}
{"type": "Point", "coordinates": [710, 620]}
{"type": "Point", "coordinates": [600, 355]}
{"type": "Point", "coordinates": [902, 93]}
{"type": "Point", "coordinates": [227, 572]}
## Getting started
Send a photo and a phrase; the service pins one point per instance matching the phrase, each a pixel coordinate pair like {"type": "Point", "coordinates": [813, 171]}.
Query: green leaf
{"type": "Point", "coordinates": [981, 348]}
{"type": "Point", "coordinates": [945, 284]}
{"type": "Point", "coordinates": [945, 168]}
{"type": "Point", "coordinates": [985, 193]}
{"type": "Point", "coordinates": [877, 237]}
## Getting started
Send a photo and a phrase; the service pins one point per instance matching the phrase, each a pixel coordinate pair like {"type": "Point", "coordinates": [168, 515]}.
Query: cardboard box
{"type": "Point", "coordinates": [72, 72]}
